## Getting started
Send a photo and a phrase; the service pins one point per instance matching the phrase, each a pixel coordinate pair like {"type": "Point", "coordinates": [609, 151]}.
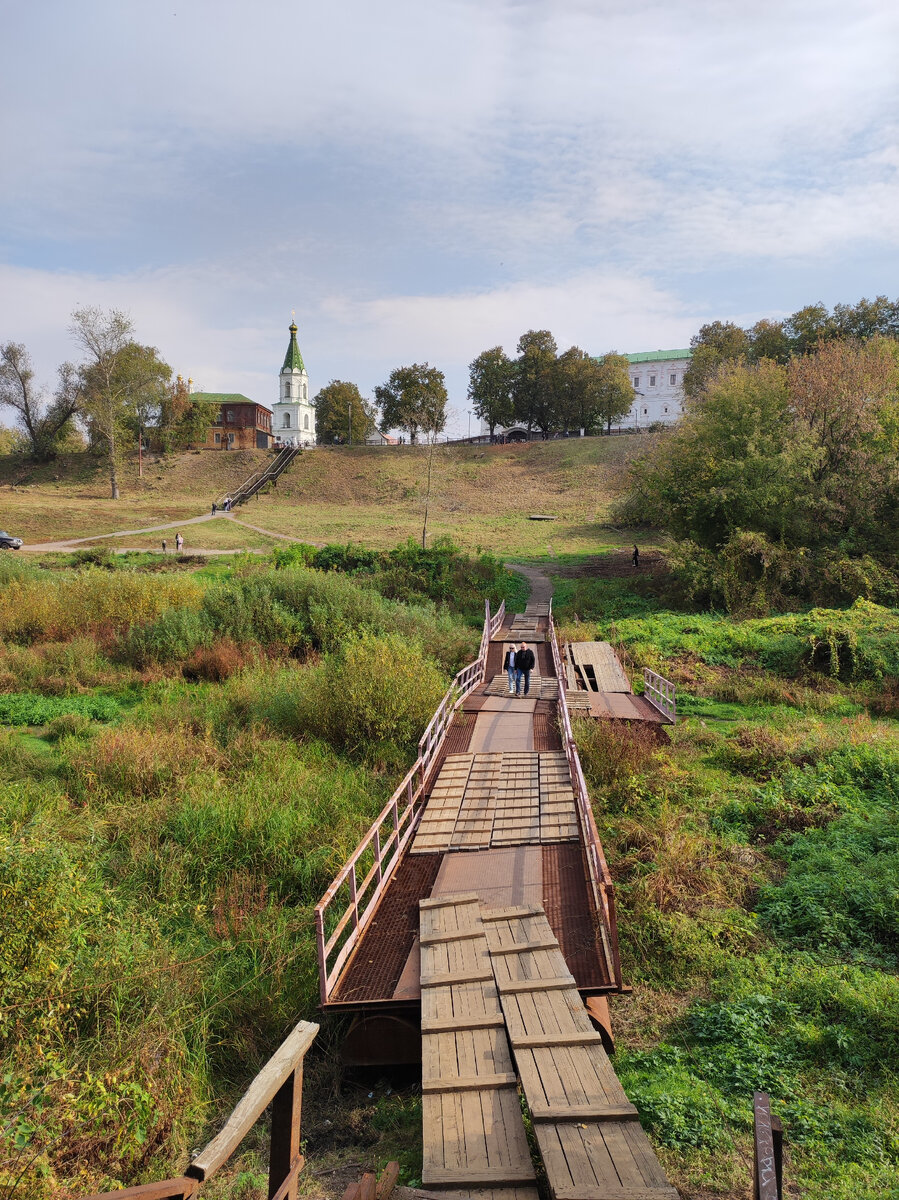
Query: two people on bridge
{"type": "Point", "coordinates": [518, 665]}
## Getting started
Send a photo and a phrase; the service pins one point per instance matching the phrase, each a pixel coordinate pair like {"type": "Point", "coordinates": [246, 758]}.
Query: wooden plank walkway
{"type": "Point", "coordinates": [474, 1137]}
{"type": "Point", "coordinates": [499, 799]}
{"type": "Point", "coordinates": [598, 667]}
{"type": "Point", "coordinates": [591, 1142]}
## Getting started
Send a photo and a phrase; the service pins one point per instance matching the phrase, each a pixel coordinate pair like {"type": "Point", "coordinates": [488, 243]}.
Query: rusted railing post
{"type": "Point", "coordinates": [767, 1160]}
{"type": "Point", "coordinates": [285, 1161]}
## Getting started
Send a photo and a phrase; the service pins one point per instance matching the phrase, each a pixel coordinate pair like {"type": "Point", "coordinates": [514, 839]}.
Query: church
{"type": "Point", "coordinates": [293, 417]}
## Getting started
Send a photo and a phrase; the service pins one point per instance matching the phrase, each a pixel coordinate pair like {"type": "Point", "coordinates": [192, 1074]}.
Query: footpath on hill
{"type": "Point", "coordinates": [69, 543]}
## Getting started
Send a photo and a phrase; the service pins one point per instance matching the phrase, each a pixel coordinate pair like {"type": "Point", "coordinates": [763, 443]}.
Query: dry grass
{"type": "Point", "coordinates": [482, 496]}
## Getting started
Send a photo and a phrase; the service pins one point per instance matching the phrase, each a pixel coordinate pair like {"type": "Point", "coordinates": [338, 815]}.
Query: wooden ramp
{"type": "Point", "coordinates": [596, 667]}
{"type": "Point", "coordinates": [504, 798]}
{"type": "Point", "coordinates": [591, 1142]}
{"type": "Point", "coordinates": [474, 1137]}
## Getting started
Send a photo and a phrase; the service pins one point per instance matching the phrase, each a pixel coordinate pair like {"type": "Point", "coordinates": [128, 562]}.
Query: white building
{"type": "Point", "coordinates": [293, 418]}
{"type": "Point", "coordinates": [657, 377]}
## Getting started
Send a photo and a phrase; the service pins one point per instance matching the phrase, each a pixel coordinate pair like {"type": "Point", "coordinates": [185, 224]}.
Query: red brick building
{"type": "Point", "coordinates": [237, 423]}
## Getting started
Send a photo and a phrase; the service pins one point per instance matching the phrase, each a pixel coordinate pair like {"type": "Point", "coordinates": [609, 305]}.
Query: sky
{"type": "Point", "coordinates": [420, 181]}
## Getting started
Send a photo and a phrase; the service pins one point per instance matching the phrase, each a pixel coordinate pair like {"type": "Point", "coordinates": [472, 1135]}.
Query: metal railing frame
{"type": "Point", "coordinates": [401, 815]}
{"type": "Point", "coordinates": [600, 877]}
{"type": "Point", "coordinates": [661, 694]}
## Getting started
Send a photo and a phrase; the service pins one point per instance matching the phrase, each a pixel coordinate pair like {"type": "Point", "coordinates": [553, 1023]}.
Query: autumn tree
{"type": "Point", "coordinates": [343, 414]}
{"type": "Point", "coordinates": [491, 377]}
{"type": "Point", "coordinates": [614, 392]}
{"type": "Point", "coordinates": [717, 343]}
{"type": "Point", "coordinates": [534, 386]}
{"type": "Point", "coordinates": [183, 420]}
{"type": "Point", "coordinates": [119, 383]}
{"type": "Point", "coordinates": [45, 421]}
{"type": "Point", "coordinates": [414, 398]}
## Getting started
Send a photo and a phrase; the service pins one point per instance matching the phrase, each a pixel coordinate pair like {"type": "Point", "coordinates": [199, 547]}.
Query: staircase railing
{"type": "Point", "coordinates": [279, 1083]}
{"type": "Point", "coordinates": [363, 879]}
{"type": "Point", "coordinates": [260, 477]}
{"type": "Point", "coordinates": [660, 693]}
{"type": "Point", "coordinates": [600, 877]}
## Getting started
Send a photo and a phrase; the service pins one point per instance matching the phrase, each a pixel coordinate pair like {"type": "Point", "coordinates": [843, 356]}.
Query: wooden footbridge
{"type": "Point", "coordinates": [474, 928]}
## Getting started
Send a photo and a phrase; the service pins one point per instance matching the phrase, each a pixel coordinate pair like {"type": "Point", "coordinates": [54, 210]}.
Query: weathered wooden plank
{"type": "Point", "coordinates": [537, 985]}
{"type": "Point", "coordinates": [480, 1176]}
{"type": "Point", "coordinates": [469, 1083]}
{"type": "Point", "coordinates": [476, 976]}
{"type": "Point", "coordinates": [585, 1112]}
{"type": "Point", "coordinates": [387, 1181]}
{"type": "Point", "coordinates": [616, 1193]}
{"type": "Point", "coordinates": [533, 1040]}
{"type": "Point", "coordinates": [458, 1024]}
{"type": "Point", "coordinates": [525, 947]}
{"type": "Point", "coordinates": [167, 1189]}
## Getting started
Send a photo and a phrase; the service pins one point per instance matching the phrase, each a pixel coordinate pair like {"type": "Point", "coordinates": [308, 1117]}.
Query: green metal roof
{"type": "Point", "coordinates": [293, 360]}
{"type": "Point", "coordinates": [222, 398]}
{"type": "Point", "coordinates": [658, 355]}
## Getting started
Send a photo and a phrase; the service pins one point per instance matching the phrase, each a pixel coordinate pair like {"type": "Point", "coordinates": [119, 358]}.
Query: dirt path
{"type": "Point", "coordinates": [69, 543]}
{"type": "Point", "coordinates": [541, 585]}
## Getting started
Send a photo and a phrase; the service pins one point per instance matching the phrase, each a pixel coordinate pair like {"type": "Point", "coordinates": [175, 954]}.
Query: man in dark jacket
{"type": "Point", "coordinates": [524, 664]}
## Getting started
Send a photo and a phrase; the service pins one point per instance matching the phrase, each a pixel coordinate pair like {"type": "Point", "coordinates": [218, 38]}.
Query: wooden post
{"type": "Point", "coordinates": [285, 1159]}
{"type": "Point", "coordinates": [378, 853]}
{"type": "Point", "coordinates": [767, 1172]}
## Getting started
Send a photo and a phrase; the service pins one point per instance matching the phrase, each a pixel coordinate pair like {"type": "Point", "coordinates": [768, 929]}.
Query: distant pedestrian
{"type": "Point", "coordinates": [524, 664]}
{"type": "Point", "coordinates": [215, 508]}
{"type": "Point", "coordinates": [509, 668]}
{"type": "Point", "coordinates": [179, 541]}
{"type": "Point", "coordinates": [635, 557]}
{"type": "Point", "coordinates": [165, 546]}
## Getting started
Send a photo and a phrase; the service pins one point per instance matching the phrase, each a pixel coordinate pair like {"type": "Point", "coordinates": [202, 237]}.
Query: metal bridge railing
{"type": "Point", "coordinates": [365, 876]}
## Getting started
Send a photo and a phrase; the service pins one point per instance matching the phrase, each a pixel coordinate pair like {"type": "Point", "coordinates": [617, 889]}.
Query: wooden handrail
{"type": "Point", "coordinates": [404, 807]}
{"type": "Point", "coordinates": [279, 1083]}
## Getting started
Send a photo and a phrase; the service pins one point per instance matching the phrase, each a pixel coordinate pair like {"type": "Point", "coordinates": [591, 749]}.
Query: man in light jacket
{"type": "Point", "coordinates": [509, 668]}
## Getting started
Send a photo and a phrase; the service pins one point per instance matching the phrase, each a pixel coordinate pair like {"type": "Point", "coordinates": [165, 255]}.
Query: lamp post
{"type": "Point", "coordinates": [468, 410]}
{"type": "Point", "coordinates": [349, 421]}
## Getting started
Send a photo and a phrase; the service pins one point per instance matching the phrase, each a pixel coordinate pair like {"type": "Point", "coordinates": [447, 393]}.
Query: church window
{"type": "Point", "coordinates": [645, 411]}
{"type": "Point", "coordinates": [636, 381]}
{"type": "Point", "coordinates": [287, 420]}
{"type": "Point", "coordinates": [652, 381]}
{"type": "Point", "coordinates": [306, 421]}
{"type": "Point", "coordinates": [672, 378]}
{"type": "Point", "coordinates": [304, 391]}
{"type": "Point", "coordinates": [286, 391]}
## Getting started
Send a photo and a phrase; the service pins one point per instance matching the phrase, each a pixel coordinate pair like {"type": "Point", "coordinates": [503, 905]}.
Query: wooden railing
{"type": "Point", "coordinates": [279, 1083]}
{"type": "Point", "coordinates": [660, 693]}
{"type": "Point", "coordinates": [600, 877]}
{"type": "Point", "coordinates": [363, 879]}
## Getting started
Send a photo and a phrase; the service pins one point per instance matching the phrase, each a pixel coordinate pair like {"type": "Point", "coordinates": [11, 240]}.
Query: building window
{"type": "Point", "coordinates": [218, 417]}
{"type": "Point", "coordinates": [652, 381]}
{"type": "Point", "coordinates": [666, 410]}
{"type": "Point", "coordinates": [645, 411]}
{"type": "Point", "coordinates": [218, 439]}
{"type": "Point", "coordinates": [287, 420]}
{"type": "Point", "coordinates": [636, 381]}
{"type": "Point", "coordinates": [306, 421]}
{"type": "Point", "coordinates": [230, 416]}
{"type": "Point", "coordinates": [286, 391]}
{"type": "Point", "coordinates": [672, 378]}
{"type": "Point", "coordinates": [230, 439]}
{"type": "Point", "coordinates": [304, 391]}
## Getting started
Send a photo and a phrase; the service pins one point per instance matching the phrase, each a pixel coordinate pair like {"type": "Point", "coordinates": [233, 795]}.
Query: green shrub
{"type": "Point", "coordinates": [172, 637]}
{"type": "Point", "coordinates": [377, 690]}
{"type": "Point", "coordinates": [24, 708]}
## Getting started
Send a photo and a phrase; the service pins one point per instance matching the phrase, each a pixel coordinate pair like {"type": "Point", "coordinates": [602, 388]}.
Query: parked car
{"type": "Point", "coordinates": [8, 542]}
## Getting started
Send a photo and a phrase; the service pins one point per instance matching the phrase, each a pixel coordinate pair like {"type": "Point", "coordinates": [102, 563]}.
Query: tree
{"type": "Point", "coordinates": [490, 380]}
{"type": "Point", "coordinates": [809, 328]}
{"type": "Point", "coordinates": [716, 343]}
{"type": "Point", "coordinates": [148, 388]}
{"type": "Point", "coordinates": [120, 384]}
{"type": "Point", "coordinates": [575, 385]}
{"type": "Point", "coordinates": [413, 398]}
{"type": "Point", "coordinates": [342, 414]}
{"type": "Point", "coordinates": [534, 388]}
{"type": "Point", "coordinates": [45, 423]}
{"type": "Point", "coordinates": [767, 339]}
{"type": "Point", "coordinates": [183, 420]}
{"type": "Point", "coordinates": [614, 392]}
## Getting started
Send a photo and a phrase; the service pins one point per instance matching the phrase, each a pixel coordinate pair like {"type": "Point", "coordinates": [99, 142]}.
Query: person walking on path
{"type": "Point", "coordinates": [215, 508]}
{"type": "Point", "coordinates": [179, 541]}
{"type": "Point", "coordinates": [509, 668]}
{"type": "Point", "coordinates": [524, 664]}
{"type": "Point", "coordinates": [165, 546]}
{"type": "Point", "coordinates": [635, 557]}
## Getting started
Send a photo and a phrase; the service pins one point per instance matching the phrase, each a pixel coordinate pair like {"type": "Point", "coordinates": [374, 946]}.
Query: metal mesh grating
{"type": "Point", "coordinates": [381, 955]}
{"type": "Point", "coordinates": [569, 909]}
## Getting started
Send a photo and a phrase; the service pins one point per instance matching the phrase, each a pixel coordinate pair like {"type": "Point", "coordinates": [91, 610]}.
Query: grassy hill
{"type": "Point", "coordinates": [480, 496]}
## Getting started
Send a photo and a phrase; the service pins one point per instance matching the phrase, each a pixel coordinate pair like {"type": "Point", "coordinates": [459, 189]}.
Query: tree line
{"type": "Point", "coordinates": [781, 482]}
{"type": "Point", "coordinates": [120, 391]}
{"type": "Point", "coordinates": [540, 389]}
